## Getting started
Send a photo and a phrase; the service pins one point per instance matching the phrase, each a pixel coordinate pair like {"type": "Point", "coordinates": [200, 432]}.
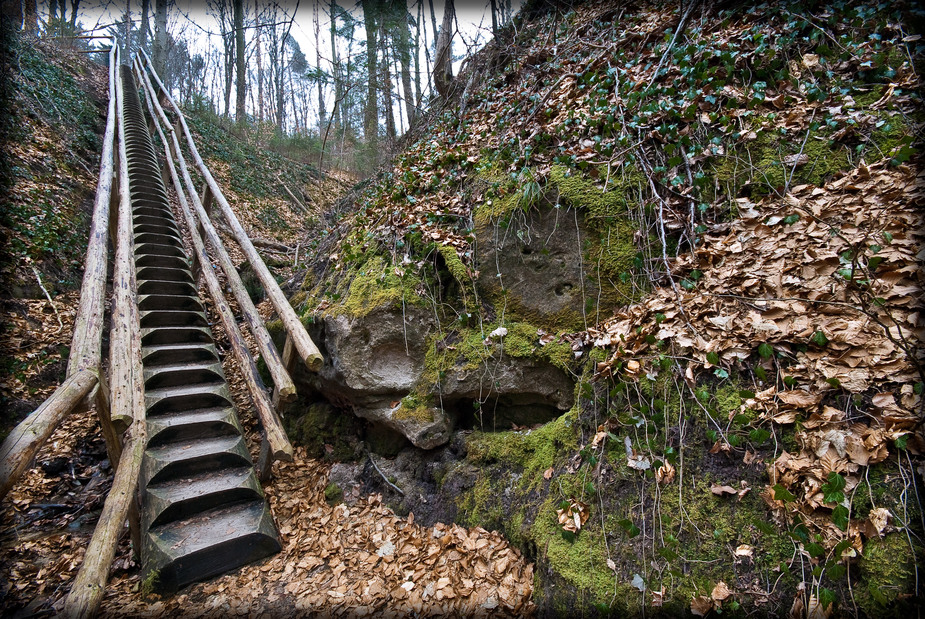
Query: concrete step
{"type": "Point", "coordinates": [209, 544]}
{"type": "Point", "coordinates": [195, 456]}
{"type": "Point", "coordinates": [184, 374]}
{"type": "Point", "coordinates": [167, 354]}
{"type": "Point", "coordinates": [186, 496]}
{"type": "Point", "coordinates": [186, 426]}
{"type": "Point", "coordinates": [186, 398]}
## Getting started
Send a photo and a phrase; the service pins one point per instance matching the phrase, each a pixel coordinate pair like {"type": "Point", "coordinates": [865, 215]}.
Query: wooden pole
{"type": "Point", "coordinates": [86, 345]}
{"type": "Point", "coordinates": [278, 371]}
{"type": "Point", "coordinates": [276, 438]}
{"type": "Point", "coordinates": [88, 588]}
{"type": "Point", "coordinates": [20, 447]}
{"type": "Point", "coordinates": [296, 330]}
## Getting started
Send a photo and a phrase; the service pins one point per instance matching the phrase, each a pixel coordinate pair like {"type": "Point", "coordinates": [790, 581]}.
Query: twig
{"type": "Point", "coordinates": [681, 26]}
{"type": "Point", "coordinates": [48, 296]}
{"type": "Point", "coordinates": [384, 478]}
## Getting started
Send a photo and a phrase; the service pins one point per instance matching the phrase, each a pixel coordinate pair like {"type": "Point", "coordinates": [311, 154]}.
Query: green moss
{"type": "Point", "coordinates": [376, 283]}
{"type": "Point", "coordinates": [529, 451]}
{"type": "Point", "coordinates": [414, 407]}
{"type": "Point", "coordinates": [582, 562]}
{"type": "Point", "coordinates": [888, 567]}
{"type": "Point", "coordinates": [610, 252]}
{"type": "Point", "coordinates": [708, 525]}
{"type": "Point", "coordinates": [759, 163]}
{"type": "Point", "coordinates": [479, 506]}
{"type": "Point", "coordinates": [501, 193]}
{"type": "Point", "coordinates": [333, 494]}
{"type": "Point", "coordinates": [468, 350]}
{"type": "Point", "coordinates": [316, 425]}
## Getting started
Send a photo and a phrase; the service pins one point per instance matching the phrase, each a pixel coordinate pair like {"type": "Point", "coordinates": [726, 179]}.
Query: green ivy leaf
{"type": "Point", "coordinates": [827, 597]}
{"type": "Point", "coordinates": [713, 358]}
{"type": "Point", "coordinates": [819, 338]}
{"type": "Point", "coordinates": [760, 373]}
{"type": "Point", "coordinates": [765, 350]}
{"type": "Point", "coordinates": [629, 527]}
{"type": "Point", "coordinates": [840, 517]}
{"type": "Point", "coordinates": [832, 490]}
{"type": "Point", "coordinates": [782, 494]}
{"type": "Point", "coordinates": [815, 550]}
{"type": "Point", "coordinates": [791, 219]}
{"type": "Point", "coordinates": [874, 262]}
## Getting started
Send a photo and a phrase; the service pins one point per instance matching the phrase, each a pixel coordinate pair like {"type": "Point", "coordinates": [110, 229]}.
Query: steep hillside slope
{"type": "Point", "coordinates": [699, 233]}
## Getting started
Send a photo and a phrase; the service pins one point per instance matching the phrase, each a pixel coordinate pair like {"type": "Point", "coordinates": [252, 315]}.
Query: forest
{"type": "Point", "coordinates": [562, 308]}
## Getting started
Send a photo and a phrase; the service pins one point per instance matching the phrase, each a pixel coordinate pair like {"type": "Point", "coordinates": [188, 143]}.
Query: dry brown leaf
{"type": "Point", "coordinates": [701, 605]}
{"type": "Point", "coordinates": [719, 490]}
{"type": "Point", "coordinates": [720, 592]}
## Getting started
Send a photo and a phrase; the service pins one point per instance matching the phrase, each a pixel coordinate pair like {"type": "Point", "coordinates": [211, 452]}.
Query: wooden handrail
{"type": "Point", "coordinates": [276, 437]}
{"type": "Point", "coordinates": [278, 371]}
{"type": "Point", "coordinates": [27, 438]}
{"type": "Point", "coordinates": [86, 345]}
{"type": "Point", "coordinates": [87, 591]}
{"type": "Point", "coordinates": [294, 327]}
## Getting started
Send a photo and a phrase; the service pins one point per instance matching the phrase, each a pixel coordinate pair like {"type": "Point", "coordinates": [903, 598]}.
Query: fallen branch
{"type": "Point", "coordinates": [381, 474]}
{"type": "Point", "coordinates": [48, 296]}
{"type": "Point", "coordinates": [20, 447]}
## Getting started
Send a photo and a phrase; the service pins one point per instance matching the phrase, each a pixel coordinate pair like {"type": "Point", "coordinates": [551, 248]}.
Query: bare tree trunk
{"type": "Point", "coordinates": [371, 113]}
{"type": "Point", "coordinates": [240, 66]}
{"type": "Point", "coordinates": [259, 77]}
{"type": "Point", "coordinates": [160, 36]}
{"type": "Point", "coordinates": [143, 31]}
{"type": "Point", "coordinates": [335, 68]}
{"type": "Point", "coordinates": [75, 4]}
{"type": "Point", "coordinates": [494, 18]}
{"type": "Point", "coordinates": [417, 58]}
{"type": "Point", "coordinates": [443, 64]}
{"type": "Point", "coordinates": [316, 16]}
{"type": "Point", "coordinates": [30, 17]}
{"type": "Point", "coordinates": [387, 91]}
{"type": "Point", "coordinates": [430, 84]}
{"type": "Point", "coordinates": [433, 17]}
{"type": "Point", "coordinates": [404, 57]}
{"type": "Point", "coordinates": [128, 28]}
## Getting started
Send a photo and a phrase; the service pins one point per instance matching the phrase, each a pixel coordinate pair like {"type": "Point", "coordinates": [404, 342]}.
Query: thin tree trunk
{"type": "Point", "coordinates": [259, 77]}
{"type": "Point", "coordinates": [335, 70]}
{"type": "Point", "coordinates": [433, 18]}
{"type": "Point", "coordinates": [494, 18]}
{"type": "Point", "coordinates": [371, 113]}
{"type": "Point", "coordinates": [75, 4]}
{"type": "Point", "coordinates": [417, 58]}
{"type": "Point", "coordinates": [127, 42]}
{"type": "Point", "coordinates": [143, 31]}
{"type": "Point", "coordinates": [387, 91]}
{"type": "Point", "coordinates": [30, 16]}
{"type": "Point", "coordinates": [240, 65]}
{"type": "Point", "coordinates": [443, 64]}
{"type": "Point", "coordinates": [404, 57]}
{"type": "Point", "coordinates": [316, 14]}
{"type": "Point", "coordinates": [160, 36]}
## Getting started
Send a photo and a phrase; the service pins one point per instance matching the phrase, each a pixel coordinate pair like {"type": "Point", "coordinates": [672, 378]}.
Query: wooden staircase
{"type": "Point", "coordinates": [202, 507]}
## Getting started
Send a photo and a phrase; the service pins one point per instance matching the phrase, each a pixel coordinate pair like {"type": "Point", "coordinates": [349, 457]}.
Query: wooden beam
{"type": "Point", "coordinates": [20, 447]}
{"type": "Point", "coordinates": [278, 371]}
{"type": "Point", "coordinates": [294, 327]}
{"type": "Point", "coordinates": [278, 442]}
{"type": "Point", "coordinates": [86, 345]}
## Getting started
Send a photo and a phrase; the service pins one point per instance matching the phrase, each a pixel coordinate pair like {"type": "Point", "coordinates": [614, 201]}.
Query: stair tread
{"type": "Point", "coordinates": [186, 488]}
